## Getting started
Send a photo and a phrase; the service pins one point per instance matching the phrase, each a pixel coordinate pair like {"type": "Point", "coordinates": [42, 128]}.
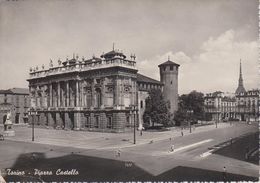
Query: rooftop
{"type": "Point", "coordinates": [145, 79]}
{"type": "Point", "coordinates": [15, 91]}
{"type": "Point", "coordinates": [168, 63]}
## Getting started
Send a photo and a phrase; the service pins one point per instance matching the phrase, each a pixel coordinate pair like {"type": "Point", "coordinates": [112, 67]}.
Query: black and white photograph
{"type": "Point", "coordinates": [129, 90]}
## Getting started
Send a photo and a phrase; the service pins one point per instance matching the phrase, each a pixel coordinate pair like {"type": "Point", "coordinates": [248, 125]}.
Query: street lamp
{"type": "Point", "coordinates": [190, 112]}
{"type": "Point", "coordinates": [33, 115]}
{"type": "Point", "coordinates": [134, 124]}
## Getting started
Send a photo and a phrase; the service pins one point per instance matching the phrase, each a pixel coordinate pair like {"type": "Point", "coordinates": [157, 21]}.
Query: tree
{"type": "Point", "coordinates": [157, 109]}
{"type": "Point", "coordinates": [193, 101]}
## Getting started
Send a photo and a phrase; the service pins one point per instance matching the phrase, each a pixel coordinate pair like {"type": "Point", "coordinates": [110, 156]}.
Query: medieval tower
{"type": "Point", "coordinates": [169, 77]}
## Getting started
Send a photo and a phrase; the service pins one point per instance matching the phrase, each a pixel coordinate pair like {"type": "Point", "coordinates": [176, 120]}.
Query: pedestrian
{"type": "Point", "coordinates": [118, 153]}
{"type": "Point", "coordinates": [247, 153]}
{"type": "Point", "coordinates": [172, 148]}
{"type": "Point", "coordinates": [141, 132]}
{"type": "Point", "coordinates": [224, 174]}
{"type": "Point", "coordinates": [182, 132]}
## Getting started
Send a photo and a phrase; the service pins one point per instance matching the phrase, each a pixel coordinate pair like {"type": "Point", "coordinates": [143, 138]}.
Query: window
{"type": "Point", "coordinates": [171, 82]}
{"type": "Point", "coordinates": [109, 122]}
{"type": "Point", "coordinates": [141, 104]}
{"type": "Point", "coordinates": [98, 81]}
{"type": "Point", "coordinates": [127, 121]}
{"type": "Point", "coordinates": [164, 68]}
{"type": "Point", "coordinates": [17, 100]}
{"type": "Point", "coordinates": [171, 67]}
{"type": "Point", "coordinates": [98, 97]}
{"type": "Point", "coordinates": [96, 122]}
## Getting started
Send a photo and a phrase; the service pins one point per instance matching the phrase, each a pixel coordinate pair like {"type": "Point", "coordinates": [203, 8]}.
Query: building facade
{"type": "Point", "coordinates": [248, 105]}
{"type": "Point", "coordinates": [98, 94]}
{"type": "Point", "coordinates": [242, 105]}
{"type": "Point", "coordinates": [220, 106]}
{"type": "Point", "coordinates": [17, 101]}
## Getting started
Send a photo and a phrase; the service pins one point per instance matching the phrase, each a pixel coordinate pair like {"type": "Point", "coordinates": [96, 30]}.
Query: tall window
{"type": "Point", "coordinates": [109, 122]}
{"type": "Point", "coordinates": [96, 122]}
{"type": "Point", "coordinates": [171, 67]}
{"type": "Point", "coordinates": [141, 104]}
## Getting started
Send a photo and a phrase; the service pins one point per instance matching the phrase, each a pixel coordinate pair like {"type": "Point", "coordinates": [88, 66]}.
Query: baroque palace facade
{"type": "Point", "coordinates": [97, 94]}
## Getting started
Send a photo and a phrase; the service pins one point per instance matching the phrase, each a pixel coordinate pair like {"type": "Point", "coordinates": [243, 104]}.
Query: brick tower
{"type": "Point", "coordinates": [169, 77]}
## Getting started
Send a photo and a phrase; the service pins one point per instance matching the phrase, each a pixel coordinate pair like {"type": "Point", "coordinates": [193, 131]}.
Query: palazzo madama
{"type": "Point", "coordinates": [97, 94]}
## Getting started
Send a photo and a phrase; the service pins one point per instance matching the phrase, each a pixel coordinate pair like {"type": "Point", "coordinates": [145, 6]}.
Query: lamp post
{"type": "Point", "coordinates": [33, 127]}
{"type": "Point", "coordinates": [33, 115]}
{"type": "Point", "coordinates": [190, 112]}
{"type": "Point", "coordinates": [134, 124]}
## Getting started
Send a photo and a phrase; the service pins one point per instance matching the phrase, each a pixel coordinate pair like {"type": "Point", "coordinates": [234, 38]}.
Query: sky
{"type": "Point", "coordinates": [206, 37]}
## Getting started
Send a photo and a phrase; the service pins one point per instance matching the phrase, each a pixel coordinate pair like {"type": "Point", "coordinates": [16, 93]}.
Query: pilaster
{"type": "Point", "coordinates": [67, 94]}
{"type": "Point", "coordinates": [77, 121]}
{"type": "Point", "coordinates": [68, 124]}
{"type": "Point", "coordinates": [43, 119]}
{"type": "Point", "coordinates": [50, 120]}
{"type": "Point", "coordinates": [58, 120]}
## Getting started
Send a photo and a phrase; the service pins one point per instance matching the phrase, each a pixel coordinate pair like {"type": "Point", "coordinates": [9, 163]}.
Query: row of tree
{"type": "Point", "coordinates": [190, 107]}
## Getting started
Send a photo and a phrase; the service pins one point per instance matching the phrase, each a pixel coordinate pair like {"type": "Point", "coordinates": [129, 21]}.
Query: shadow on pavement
{"type": "Point", "coordinates": [87, 168]}
{"type": "Point", "coordinates": [239, 148]}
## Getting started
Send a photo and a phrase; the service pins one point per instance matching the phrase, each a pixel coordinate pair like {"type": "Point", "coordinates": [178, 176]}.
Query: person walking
{"type": "Point", "coordinates": [224, 174]}
{"type": "Point", "coordinates": [182, 132]}
{"type": "Point", "coordinates": [172, 148]}
{"type": "Point", "coordinates": [118, 153]}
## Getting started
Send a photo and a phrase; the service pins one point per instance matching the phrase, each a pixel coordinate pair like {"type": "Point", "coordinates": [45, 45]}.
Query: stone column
{"type": "Point", "coordinates": [50, 120]}
{"type": "Point", "coordinates": [103, 95]}
{"type": "Point", "coordinates": [59, 120]}
{"type": "Point", "coordinates": [116, 92]}
{"type": "Point", "coordinates": [67, 94]}
{"type": "Point", "coordinates": [77, 93]}
{"type": "Point", "coordinates": [92, 95]}
{"type": "Point", "coordinates": [50, 90]}
{"type": "Point", "coordinates": [58, 95]}
{"type": "Point", "coordinates": [81, 94]}
{"type": "Point", "coordinates": [77, 121]}
{"type": "Point", "coordinates": [42, 119]}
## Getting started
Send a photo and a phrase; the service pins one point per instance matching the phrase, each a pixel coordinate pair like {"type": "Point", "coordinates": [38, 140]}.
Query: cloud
{"type": "Point", "coordinates": [215, 67]}
{"type": "Point", "coordinates": [149, 66]}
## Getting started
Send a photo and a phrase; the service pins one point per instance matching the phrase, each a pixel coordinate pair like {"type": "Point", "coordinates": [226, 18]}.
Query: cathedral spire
{"type": "Point", "coordinates": [240, 87]}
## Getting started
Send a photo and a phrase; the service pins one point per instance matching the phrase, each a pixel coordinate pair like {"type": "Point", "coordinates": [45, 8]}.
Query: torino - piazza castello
{"type": "Point", "coordinates": [97, 94]}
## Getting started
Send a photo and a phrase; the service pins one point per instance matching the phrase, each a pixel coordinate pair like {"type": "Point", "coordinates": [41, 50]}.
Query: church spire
{"type": "Point", "coordinates": [240, 87]}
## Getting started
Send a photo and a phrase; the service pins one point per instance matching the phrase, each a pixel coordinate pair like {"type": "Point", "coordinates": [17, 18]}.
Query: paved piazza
{"type": "Point", "coordinates": [151, 153]}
